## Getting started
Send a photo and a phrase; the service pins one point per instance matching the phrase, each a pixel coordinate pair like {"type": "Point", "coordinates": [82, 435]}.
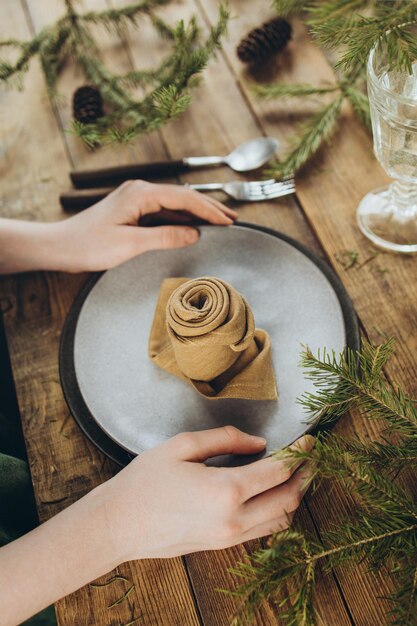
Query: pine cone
{"type": "Point", "coordinates": [87, 104]}
{"type": "Point", "coordinates": [263, 42]}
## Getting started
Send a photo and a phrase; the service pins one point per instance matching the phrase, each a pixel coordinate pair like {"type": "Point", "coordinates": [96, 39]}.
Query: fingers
{"type": "Point", "coordinates": [201, 445]}
{"type": "Point", "coordinates": [268, 473]}
{"type": "Point", "coordinates": [177, 198]}
{"type": "Point", "coordinates": [163, 237]}
{"type": "Point", "coordinates": [230, 212]}
{"type": "Point", "coordinates": [278, 501]}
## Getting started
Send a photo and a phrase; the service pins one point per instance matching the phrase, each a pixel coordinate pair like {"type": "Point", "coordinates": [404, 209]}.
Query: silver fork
{"type": "Point", "coordinates": [253, 191]}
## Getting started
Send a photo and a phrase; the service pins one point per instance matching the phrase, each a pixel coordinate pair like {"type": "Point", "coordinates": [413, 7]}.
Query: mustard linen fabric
{"type": "Point", "coordinates": [203, 331]}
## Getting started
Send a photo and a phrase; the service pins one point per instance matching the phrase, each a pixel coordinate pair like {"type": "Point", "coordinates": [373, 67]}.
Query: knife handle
{"type": "Point", "coordinates": [113, 176]}
{"type": "Point", "coordinates": [80, 200]}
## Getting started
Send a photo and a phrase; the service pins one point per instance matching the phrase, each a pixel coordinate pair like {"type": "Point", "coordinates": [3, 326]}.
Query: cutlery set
{"type": "Point", "coordinates": [93, 185]}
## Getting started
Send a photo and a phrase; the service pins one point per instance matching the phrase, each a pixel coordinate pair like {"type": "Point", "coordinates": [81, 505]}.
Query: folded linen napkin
{"type": "Point", "coordinates": [204, 332]}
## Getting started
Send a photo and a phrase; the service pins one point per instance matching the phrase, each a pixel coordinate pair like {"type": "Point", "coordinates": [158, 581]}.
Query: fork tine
{"type": "Point", "coordinates": [260, 183]}
{"type": "Point", "coordinates": [287, 181]}
{"type": "Point", "coordinates": [266, 185]}
{"type": "Point", "coordinates": [276, 192]}
{"type": "Point", "coordinates": [272, 188]}
{"type": "Point", "coordinates": [254, 185]}
{"type": "Point", "coordinates": [258, 196]}
{"type": "Point", "coordinates": [278, 187]}
{"type": "Point", "coordinates": [283, 192]}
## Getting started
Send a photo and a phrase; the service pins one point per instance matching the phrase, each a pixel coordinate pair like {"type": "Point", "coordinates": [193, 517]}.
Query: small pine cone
{"type": "Point", "coordinates": [87, 104]}
{"type": "Point", "coordinates": [263, 42]}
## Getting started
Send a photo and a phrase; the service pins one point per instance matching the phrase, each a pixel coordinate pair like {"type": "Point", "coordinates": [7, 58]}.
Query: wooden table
{"type": "Point", "coordinates": [37, 157]}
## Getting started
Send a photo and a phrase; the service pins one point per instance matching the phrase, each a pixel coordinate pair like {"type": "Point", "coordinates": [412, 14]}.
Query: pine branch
{"type": "Point", "coordinates": [332, 458]}
{"type": "Point", "coordinates": [405, 597]}
{"type": "Point", "coordinates": [290, 559]}
{"type": "Point", "coordinates": [340, 388]}
{"type": "Point", "coordinates": [265, 573]}
{"type": "Point", "coordinates": [161, 27]}
{"type": "Point", "coordinates": [285, 7]}
{"type": "Point", "coordinates": [314, 133]}
{"type": "Point", "coordinates": [390, 27]}
{"type": "Point", "coordinates": [218, 30]}
{"type": "Point", "coordinates": [384, 540]}
{"type": "Point", "coordinates": [360, 105]}
{"type": "Point", "coordinates": [114, 19]}
{"type": "Point", "coordinates": [89, 133]}
{"type": "Point", "coordinates": [352, 28]}
{"type": "Point", "coordinates": [169, 83]}
{"type": "Point", "coordinates": [134, 78]}
{"type": "Point", "coordinates": [28, 50]}
{"type": "Point", "coordinates": [54, 48]}
{"type": "Point", "coordinates": [337, 9]}
{"type": "Point", "coordinates": [169, 102]}
{"type": "Point", "coordinates": [373, 359]}
{"type": "Point", "coordinates": [282, 90]}
{"type": "Point", "coordinates": [330, 21]}
{"type": "Point", "coordinates": [386, 456]}
{"type": "Point", "coordinates": [319, 127]}
{"type": "Point", "coordinates": [383, 529]}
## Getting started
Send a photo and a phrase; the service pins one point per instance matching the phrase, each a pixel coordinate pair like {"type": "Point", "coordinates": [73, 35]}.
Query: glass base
{"type": "Point", "coordinates": [388, 217]}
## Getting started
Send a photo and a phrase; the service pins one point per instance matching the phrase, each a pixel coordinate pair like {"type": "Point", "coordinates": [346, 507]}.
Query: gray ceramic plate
{"type": "Point", "coordinates": [126, 404]}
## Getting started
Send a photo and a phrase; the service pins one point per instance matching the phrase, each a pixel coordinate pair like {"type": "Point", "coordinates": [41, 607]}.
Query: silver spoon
{"type": "Point", "coordinates": [248, 156]}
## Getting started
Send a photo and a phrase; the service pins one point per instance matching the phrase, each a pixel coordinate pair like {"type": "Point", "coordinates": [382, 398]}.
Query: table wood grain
{"type": "Point", "coordinates": [37, 156]}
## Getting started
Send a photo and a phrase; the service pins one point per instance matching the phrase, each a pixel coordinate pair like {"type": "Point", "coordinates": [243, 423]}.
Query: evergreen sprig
{"type": "Point", "coordinates": [315, 131]}
{"type": "Point", "coordinates": [167, 87]}
{"type": "Point", "coordinates": [352, 28]}
{"type": "Point", "coordinates": [383, 528]}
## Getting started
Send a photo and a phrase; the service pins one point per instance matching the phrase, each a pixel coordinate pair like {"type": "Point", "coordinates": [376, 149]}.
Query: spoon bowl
{"type": "Point", "coordinates": [251, 154]}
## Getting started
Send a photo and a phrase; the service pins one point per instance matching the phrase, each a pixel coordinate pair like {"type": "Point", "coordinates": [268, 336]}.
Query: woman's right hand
{"type": "Point", "coordinates": [167, 502]}
{"type": "Point", "coordinates": [164, 503]}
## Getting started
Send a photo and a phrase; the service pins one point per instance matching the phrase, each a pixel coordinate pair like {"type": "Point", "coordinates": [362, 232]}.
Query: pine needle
{"type": "Point", "coordinates": [108, 582]}
{"type": "Point", "coordinates": [122, 598]}
{"type": "Point", "coordinates": [282, 90]}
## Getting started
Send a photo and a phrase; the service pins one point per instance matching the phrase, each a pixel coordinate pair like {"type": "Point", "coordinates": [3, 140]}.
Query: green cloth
{"type": "Point", "coordinates": [17, 503]}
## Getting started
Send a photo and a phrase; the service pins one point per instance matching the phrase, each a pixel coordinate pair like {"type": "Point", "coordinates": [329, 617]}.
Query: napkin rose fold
{"type": "Point", "coordinates": [204, 332]}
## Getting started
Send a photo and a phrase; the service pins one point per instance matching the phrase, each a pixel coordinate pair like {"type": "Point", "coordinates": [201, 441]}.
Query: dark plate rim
{"type": "Point", "coordinates": [72, 394]}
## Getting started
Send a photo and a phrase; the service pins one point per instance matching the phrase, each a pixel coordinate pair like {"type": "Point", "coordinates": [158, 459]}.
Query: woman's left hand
{"type": "Point", "coordinates": [107, 233]}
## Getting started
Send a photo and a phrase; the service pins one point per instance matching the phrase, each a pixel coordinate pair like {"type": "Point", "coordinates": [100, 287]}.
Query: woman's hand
{"type": "Point", "coordinates": [167, 502]}
{"type": "Point", "coordinates": [108, 233]}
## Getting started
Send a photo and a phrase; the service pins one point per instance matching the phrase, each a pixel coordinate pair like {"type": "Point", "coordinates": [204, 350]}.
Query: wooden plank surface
{"type": "Point", "coordinates": [37, 158]}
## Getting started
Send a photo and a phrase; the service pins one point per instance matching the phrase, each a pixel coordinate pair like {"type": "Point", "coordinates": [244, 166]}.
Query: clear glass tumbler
{"type": "Point", "coordinates": [388, 215]}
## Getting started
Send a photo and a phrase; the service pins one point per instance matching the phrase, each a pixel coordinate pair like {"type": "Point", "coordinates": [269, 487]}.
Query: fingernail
{"type": "Point", "coordinates": [191, 235]}
{"type": "Point", "coordinates": [260, 441]}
